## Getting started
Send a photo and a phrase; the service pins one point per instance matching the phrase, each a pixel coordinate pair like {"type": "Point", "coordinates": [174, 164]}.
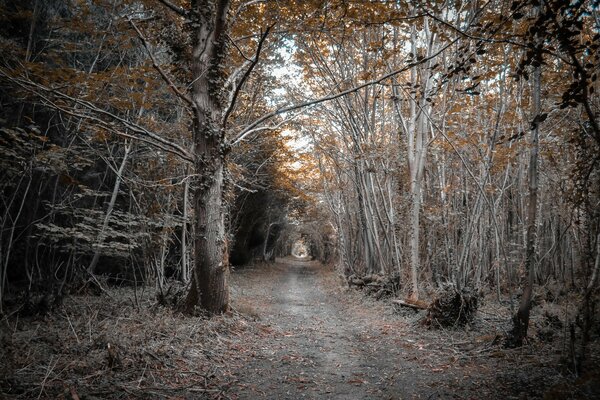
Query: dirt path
{"type": "Point", "coordinates": [320, 347]}
{"type": "Point", "coordinates": [318, 340]}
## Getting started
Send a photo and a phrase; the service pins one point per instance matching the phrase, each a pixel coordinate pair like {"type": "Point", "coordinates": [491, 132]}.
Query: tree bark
{"type": "Point", "coordinates": [185, 270]}
{"type": "Point", "coordinates": [417, 150]}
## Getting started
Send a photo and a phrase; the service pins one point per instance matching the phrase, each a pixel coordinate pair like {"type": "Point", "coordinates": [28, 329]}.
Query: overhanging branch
{"type": "Point", "coordinates": [175, 8]}
{"type": "Point", "coordinates": [250, 128]}
{"type": "Point", "coordinates": [245, 77]}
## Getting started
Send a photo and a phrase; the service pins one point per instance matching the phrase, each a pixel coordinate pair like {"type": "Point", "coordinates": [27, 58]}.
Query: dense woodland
{"type": "Point", "coordinates": [447, 144]}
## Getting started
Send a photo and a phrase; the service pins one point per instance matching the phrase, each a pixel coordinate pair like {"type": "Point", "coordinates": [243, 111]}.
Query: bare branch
{"type": "Point", "coordinates": [162, 73]}
{"type": "Point", "coordinates": [266, 128]}
{"type": "Point", "coordinates": [238, 49]}
{"type": "Point", "coordinates": [324, 99]}
{"type": "Point", "coordinates": [245, 77]}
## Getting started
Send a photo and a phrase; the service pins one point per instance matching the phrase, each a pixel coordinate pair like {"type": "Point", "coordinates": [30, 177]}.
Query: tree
{"type": "Point", "coordinates": [204, 27]}
{"type": "Point", "coordinates": [209, 278]}
{"type": "Point", "coordinates": [63, 220]}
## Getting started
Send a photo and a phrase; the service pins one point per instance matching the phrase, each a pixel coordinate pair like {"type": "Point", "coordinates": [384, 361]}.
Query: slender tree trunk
{"type": "Point", "coordinates": [30, 46]}
{"type": "Point", "coordinates": [163, 251]}
{"type": "Point", "coordinates": [587, 311]}
{"type": "Point", "coordinates": [417, 148]}
{"type": "Point", "coordinates": [5, 258]}
{"type": "Point", "coordinates": [521, 319]}
{"type": "Point", "coordinates": [185, 270]}
{"type": "Point", "coordinates": [415, 188]}
{"type": "Point", "coordinates": [267, 254]}
{"type": "Point", "coordinates": [109, 210]}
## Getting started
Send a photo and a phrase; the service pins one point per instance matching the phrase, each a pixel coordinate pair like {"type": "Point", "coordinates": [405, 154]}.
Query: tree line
{"type": "Point", "coordinates": [477, 164]}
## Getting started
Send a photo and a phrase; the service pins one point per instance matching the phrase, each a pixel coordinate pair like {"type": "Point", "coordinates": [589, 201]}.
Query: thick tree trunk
{"type": "Point", "coordinates": [209, 290]}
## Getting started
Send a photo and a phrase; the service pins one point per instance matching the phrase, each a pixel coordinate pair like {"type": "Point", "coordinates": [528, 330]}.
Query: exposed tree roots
{"type": "Point", "coordinates": [452, 307]}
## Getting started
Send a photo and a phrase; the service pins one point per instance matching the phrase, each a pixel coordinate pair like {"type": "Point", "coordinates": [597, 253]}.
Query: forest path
{"type": "Point", "coordinates": [317, 345]}
{"type": "Point", "coordinates": [305, 335]}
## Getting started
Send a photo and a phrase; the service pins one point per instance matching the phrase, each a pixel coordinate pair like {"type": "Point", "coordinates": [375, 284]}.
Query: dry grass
{"type": "Point", "coordinates": [109, 348]}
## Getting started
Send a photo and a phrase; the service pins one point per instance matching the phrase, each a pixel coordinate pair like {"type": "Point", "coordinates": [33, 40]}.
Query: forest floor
{"type": "Point", "coordinates": [296, 332]}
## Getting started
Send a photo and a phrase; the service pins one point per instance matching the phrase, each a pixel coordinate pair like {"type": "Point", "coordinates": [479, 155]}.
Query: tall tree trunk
{"type": "Point", "coordinates": [586, 311]}
{"type": "Point", "coordinates": [521, 319]}
{"type": "Point", "coordinates": [5, 258]}
{"type": "Point", "coordinates": [209, 290]}
{"type": "Point", "coordinates": [417, 149]}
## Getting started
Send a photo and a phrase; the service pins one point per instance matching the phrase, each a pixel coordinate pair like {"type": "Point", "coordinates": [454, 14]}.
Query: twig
{"type": "Point", "coordinates": [192, 389]}
{"type": "Point", "coordinates": [419, 305]}
{"type": "Point", "coordinates": [142, 377]}
{"type": "Point", "coordinates": [49, 370]}
{"type": "Point", "coordinates": [245, 57]}
{"type": "Point", "coordinates": [153, 355]}
{"type": "Point", "coordinates": [174, 8]}
{"type": "Point", "coordinates": [73, 329]}
{"type": "Point", "coordinates": [97, 282]}
{"type": "Point", "coordinates": [433, 394]}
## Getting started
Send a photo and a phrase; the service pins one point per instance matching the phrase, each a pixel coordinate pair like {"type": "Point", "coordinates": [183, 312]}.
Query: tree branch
{"type": "Point", "coordinates": [140, 133]}
{"type": "Point", "coordinates": [266, 128]}
{"type": "Point", "coordinates": [238, 48]}
{"type": "Point", "coordinates": [245, 77]}
{"type": "Point", "coordinates": [162, 73]}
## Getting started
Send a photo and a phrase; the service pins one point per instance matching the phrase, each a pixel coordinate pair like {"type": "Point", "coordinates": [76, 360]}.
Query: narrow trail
{"type": "Point", "coordinates": [320, 347]}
